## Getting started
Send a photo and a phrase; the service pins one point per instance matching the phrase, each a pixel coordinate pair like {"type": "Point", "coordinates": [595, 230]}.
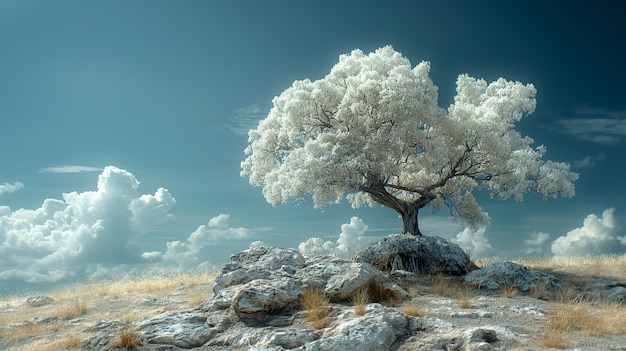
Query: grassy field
{"type": "Point", "coordinates": [22, 329]}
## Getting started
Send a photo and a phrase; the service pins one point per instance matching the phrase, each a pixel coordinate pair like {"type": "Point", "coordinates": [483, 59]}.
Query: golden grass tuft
{"type": "Point", "coordinates": [360, 298]}
{"type": "Point", "coordinates": [316, 303]}
{"type": "Point", "coordinates": [465, 297]}
{"type": "Point", "coordinates": [509, 291]}
{"type": "Point", "coordinates": [127, 339]}
{"type": "Point", "coordinates": [556, 339]}
{"type": "Point", "coordinates": [441, 285]}
{"type": "Point", "coordinates": [413, 311]}
{"type": "Point", "coordinates": [540, 291]}
{"type": "Point", "coordinates": [74, 309]}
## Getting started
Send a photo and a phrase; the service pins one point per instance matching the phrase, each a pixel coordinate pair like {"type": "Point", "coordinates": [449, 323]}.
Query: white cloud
{"type": "Point", "coordinates": [589, 161]}
{"type": "Point", "coordinates": [257, 243]}
{"type": "Point", "coordinates": [70, 169]}
{"type": "Point", "coordinates": [474, 242]}
{"type": "Point", "coordinates": [608, 131]}
{"type": "Point", "coordinates": [6, 188]}
{"type": "Point", "coordinates": [189, 254]}
{"type": "Point", "coordinates": [348, 243]}
{"type": "Point", "coordinates": [596, 236]}
{"type": "Point", "coordinates": [351, 234]}
{"type": "Point", "coordinates": [246, 118]}
{"type": "Point", "coordinates": [69, 237]}
{"type": "Point", "coordinates": [599, 111]}
{"type": "Point", "coordinates": [535, 245]}
{"type": "Point", "coordinates": [316, 246]}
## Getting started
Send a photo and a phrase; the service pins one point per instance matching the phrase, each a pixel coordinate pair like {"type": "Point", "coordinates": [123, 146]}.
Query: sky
{"type": "Point", "coordinates": [123, 125]}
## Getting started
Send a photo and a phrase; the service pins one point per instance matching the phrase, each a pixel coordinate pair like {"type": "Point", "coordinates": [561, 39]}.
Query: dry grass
{"type": "Point", "coordinates": [556, 339]}
{"type": "Point", "coordinates": [158, 285]}
{"type": "Point", "coordinates": [28, 330]}
{"type": "Point", "coordinates": [90, 303]}
{"type": "Point", "coordinates": [360, 298]}
{"type": "Point", "coordinates": [316, 303]}
{"type": "Point", "coordinates": [443, 286]}
{"type": "Point", "coordinates": [74, 309]}
{"type": "Point", "coordinates": [540, 291]}
{"type": "Point", "coordinates": [71, 342]}
{"type": "Point", "coordinates": [378, 293]}
{"type": "Point", "coordinates": [127, 339]}
{"type": "Point", "coordinates": [583, 268]}
{"type": "Point", "coordinates": [568, 294]}
{"type": "Point", "coordinates": [596, 319]}
{"type": "Point", "coordinates": [486, 261]}
{"type": "Point", "coordinates": [508, 291]}
{"type": "Point", "coordinates": [465, 297]}
{"type": "Point", "coordinates": [413, 311]}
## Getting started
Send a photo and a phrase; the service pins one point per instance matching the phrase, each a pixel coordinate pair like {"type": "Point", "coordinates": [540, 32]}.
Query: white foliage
{"type": "Point", "coordinates": [596, 236]}
{"type": "Point", "coordinates": [375, 117]}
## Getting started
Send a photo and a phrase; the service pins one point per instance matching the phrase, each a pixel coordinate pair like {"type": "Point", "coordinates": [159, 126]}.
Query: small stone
{"type": "Point", "coordinates": [38, 301]}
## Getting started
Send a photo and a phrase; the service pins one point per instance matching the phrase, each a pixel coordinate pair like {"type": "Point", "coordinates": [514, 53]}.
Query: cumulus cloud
{"type": "Point", "coordinates": [68, 237]}
{"type": "Point", "coordinates": [190, 253]}
{"type": "Point", "coordinates": [317, 246]}
{"type": "Point", "coordinates": [596, 236]}
{"type": "Point", "coordinates": [351, 234]}
{"type": "Point", "coordinates": [6, 188]}
{"type": "Point", "coordinates": [257, 243]}
{"type": "Point", "coordinates": [70, 169]}
{"type": "Point", "coordinates": [348, 242]}
{"type": "Point", "coordinates": [535, 245]}
{"type": "Point", "coordinates": [474, 242]}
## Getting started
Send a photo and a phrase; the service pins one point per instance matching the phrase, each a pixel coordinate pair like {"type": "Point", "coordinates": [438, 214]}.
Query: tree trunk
{"type": "Point", "coordinates": [409, 221]}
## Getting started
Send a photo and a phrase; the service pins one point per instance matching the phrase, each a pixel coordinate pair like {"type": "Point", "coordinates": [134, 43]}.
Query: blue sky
{"type": "Point", "coordinates": [164, 91]}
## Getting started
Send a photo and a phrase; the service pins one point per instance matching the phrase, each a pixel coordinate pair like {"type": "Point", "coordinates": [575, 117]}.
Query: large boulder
{"type": "Point", "coordinates": [419, 254]}
{"type": "Point", "coordinates": [500, 274]}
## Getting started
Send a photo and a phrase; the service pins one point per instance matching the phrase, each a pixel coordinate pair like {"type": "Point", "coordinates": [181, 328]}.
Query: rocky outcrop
{"type": "Point", "coordinates": [256, 304]}
{"type": "Point", "coordinates": [420, 254]}
{"type": "Point", "coordinates": [500, 274]}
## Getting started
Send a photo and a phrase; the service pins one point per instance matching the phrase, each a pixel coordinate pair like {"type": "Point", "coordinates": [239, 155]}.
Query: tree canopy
{"type": "Point", "coordinates": [372, 132]}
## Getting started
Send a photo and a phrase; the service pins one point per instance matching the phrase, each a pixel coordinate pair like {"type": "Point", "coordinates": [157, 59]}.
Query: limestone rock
{"type": "Point", "coordinates": [38, 301]}
{"type": "Point", "coordinates": [377, 330]}
{"type": "Point", "coordinates": [473, 339]}
{"type": "Point", "coordinates": [256, 305]}
{"type": "Point", "coordinates": [183, 329]}
{"type": "Point", "coordinates": [419, 254]}
{"type": "Point", "coordinates": [501, 274]}
{"type": "Point", "coordinates": [612, 290]}
{"type": "Point", "coordinates": [341, 279]}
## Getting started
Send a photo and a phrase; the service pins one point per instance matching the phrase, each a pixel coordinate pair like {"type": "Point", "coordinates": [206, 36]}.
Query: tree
{"type": "Point", "coordinates": [372, 132]}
